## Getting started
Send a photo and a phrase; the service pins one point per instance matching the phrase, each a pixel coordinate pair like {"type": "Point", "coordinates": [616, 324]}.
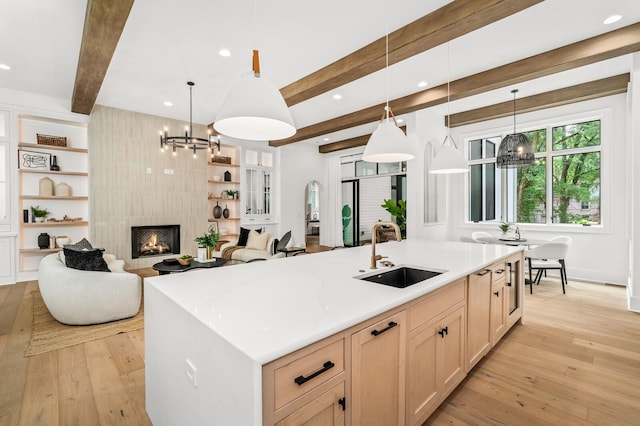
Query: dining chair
{"type": "Point", "coordinates": [479, 234]}
{"type": "Point", "coordinates": [547, 256]}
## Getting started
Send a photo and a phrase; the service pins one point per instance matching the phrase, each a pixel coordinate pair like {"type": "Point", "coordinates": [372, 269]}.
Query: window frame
{"type": "Point", "coordinates": [605, 115]}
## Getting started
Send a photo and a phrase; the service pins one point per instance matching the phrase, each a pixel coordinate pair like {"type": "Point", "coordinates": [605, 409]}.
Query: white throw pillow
{"type": "Point", "coordinates": [258, 241]}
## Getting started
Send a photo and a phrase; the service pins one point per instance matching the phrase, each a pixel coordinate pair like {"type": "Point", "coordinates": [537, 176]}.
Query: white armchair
{"type": "Point", "coordinates": [547, 256]}
{"type": "Point", "coordinates": [76, 297]}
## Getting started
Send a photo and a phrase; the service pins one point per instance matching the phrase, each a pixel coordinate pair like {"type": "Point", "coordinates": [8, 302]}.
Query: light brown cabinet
{"type": "Point", "coordinates": [378, 372]}
{"type": "Point", "coordinates": [436, 363]}
{"type": "Point", "coordinates": [327, 409]}
{"type": "Point", "coordinates": [478, 316]}
{"type": "Point", "coordinates": [499, 301]}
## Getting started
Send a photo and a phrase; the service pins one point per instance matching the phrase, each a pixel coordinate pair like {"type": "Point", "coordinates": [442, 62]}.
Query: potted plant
{"type": "Point", "coordinates": [207, 241]}
{"type": "Point", "coordinates": [504, 227]}
{"type": "Point", "coordinates": [399, 212]}
{"type": "Point", "coordinates": [230, 193]}
{"type": "Point", "coordinates": [185, 259]}
{"type": "Point", "coordinates": [39, 214]}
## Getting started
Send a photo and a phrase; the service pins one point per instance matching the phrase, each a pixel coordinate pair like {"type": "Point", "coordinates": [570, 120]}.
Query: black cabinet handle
{"type": "Point", "coordinates": [485, 272]}
{"type": "Point", "coordinates": [343, 402]}
{"type": "Point", "coordinates": [509, 265]}
{"type": "Point", "coordinates": [499, 271]}
{"type": "Point", "coordinates": [444, 331]}
{"type": "Point", "coordinates": [497, 293]}
{"type": "Point", "coordinates": [390, 326]}
{"type": "Point", "coordinates": [300, 380]}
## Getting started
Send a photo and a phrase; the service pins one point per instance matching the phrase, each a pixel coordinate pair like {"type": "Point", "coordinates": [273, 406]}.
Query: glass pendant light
{"type": "Point", "coordinates": [515, 149]}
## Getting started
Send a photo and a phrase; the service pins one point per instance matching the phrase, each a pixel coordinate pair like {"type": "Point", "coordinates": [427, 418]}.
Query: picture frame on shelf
{"type": "Point", "coordinates": [213, 226]}
{"type": "Point", "coordinates": [33, 160]}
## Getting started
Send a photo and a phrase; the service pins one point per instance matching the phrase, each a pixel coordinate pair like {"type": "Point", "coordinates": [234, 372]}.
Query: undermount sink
{"type": "Point", "coordinates": [400, 277]}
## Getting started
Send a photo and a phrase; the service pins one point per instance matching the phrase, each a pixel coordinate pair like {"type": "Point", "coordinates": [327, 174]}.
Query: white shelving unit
{"type": "Point", "coordinates": [217, 187]}
{"type": "Point", "coordinates": [73, 162]}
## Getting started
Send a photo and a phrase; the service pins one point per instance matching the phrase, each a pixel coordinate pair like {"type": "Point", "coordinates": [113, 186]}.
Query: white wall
{"type": "Point", "coordinates": [597, 254]}
{"type": "Point", "coordinates": [300, 163]}
{"type": "Point", "coordinates": [633, 192]}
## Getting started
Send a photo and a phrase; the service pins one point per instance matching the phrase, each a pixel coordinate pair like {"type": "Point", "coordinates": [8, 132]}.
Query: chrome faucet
{"type": "Point", "coordinates": [374, 257]}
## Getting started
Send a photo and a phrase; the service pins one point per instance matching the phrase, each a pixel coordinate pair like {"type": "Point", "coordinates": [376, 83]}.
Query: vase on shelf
{"type": "Point", "coordinates": [227, 176]}
{"type": "Point", "coordinates": [217, 211]}
{"type": "Point", "coordinates": [225, 212]}
{"type": "Point", "coordinates": [43, 240]}
{"type": "Point", "coordinates": [54, 164]}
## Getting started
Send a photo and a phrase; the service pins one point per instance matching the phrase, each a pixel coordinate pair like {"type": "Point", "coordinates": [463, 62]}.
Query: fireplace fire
{"type": "Point", "coordinates": [156, 240]}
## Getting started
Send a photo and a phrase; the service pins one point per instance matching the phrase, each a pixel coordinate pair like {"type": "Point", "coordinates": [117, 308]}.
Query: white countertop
{"type": "Point", "coordinates": [269, 309]}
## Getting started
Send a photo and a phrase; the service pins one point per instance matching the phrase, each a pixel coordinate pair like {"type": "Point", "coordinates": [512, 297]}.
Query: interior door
{"type": "Point", "coordinates": [350, 217]}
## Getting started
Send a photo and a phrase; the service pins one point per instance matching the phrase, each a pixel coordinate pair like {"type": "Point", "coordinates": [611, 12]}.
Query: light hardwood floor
{"type": "Point", "coordinates": [576, 361]}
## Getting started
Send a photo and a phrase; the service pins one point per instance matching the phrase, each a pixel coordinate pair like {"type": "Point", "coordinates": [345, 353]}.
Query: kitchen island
{"type": "Point", "coordinates": [208, 333]}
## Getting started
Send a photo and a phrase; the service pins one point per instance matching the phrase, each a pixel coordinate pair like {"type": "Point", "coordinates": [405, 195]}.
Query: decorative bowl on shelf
{"type": "Point", "coordinates": [185, 260]}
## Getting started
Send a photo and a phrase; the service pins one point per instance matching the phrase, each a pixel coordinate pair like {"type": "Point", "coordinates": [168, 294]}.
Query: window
{"type": "Point", "coordinates": [565, 177]}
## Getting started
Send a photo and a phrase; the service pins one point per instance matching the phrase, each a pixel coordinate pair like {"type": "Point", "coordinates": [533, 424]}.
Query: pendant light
{"type": "Point", "coordinates": [515, 149]}
{"type": "Point", "coordinates": [254, 108]}
{"type": "Point", "coordinates": [388, 144]}
{"type": "Point", "coordinates": [448, 159]}
{"type": "Point", "coordinates": [188, 141]}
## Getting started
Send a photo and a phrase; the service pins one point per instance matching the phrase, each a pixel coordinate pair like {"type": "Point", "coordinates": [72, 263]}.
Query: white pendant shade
{"type": "Point", "coordinates": [388, 144]}
{"type": "Point", "coordinates": [448, 160]}
{"type": "Point", "coordinates": [254, 110]}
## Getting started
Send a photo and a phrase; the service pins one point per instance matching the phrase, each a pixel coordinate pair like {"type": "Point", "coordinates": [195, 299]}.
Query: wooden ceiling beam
{"type": "Point", "coordinates": [578, 93]}
{"type": "Point", "coordinates": [103, 25]}
{"type": "Point", "coordinates": [447, 23]}
{"type": "Point", "coordinates": [348, 143]}
{"type": "Point", "coordinates": [599, 48]}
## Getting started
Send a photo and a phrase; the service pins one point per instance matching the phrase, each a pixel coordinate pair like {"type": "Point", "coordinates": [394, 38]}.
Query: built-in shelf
{"type": "Point", "coordinates": [51, 147]}
{"type": "Point", "coordinates": [223, 199]}
{"type": "Point", "coordinates": [222, 218]}
{"type": "Point", "coordinates": [223, 164]}
{"type": "Point", "coordinates": [49, 172]}
{"type": "Point", "coordinates": [225, 182]}
{"type": "Point", "coordinates": [40, 251]}
{"type": "Point", "coordinates": [53, 197]}
{"type": "Point", "coordinates": [48, 224]}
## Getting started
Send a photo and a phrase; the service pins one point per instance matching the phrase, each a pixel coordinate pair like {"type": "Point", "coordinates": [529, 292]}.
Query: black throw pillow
{"type": "Point", "coordinates": [85, 260]}
{"type": "Point", "coordinates": [83, 244]}
{"type": "Point", "coordinates": [244, 236]}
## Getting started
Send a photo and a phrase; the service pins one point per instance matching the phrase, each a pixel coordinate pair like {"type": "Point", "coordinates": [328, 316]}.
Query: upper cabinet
{"type": "Point", "coordinates": [258, 186]}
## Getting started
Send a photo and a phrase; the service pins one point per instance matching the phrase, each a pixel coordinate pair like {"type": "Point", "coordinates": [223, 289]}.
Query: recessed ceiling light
{"type": "Point", "coordinates": [423, 84]}
{"type": "Point", "coordinates": [611, 19]}
{"type": "Point", "coordinates": [224, 52]}
{"type": "Point", "coordinates": [168, 103]}
{"type": "Point", "coordinates": [337, 96]}
{"type": "Point", "coordinates": [326, 139]}
{"type": "Point", "coordinates": [4, 67]}
{"type": "Point", "coordinates": [400, 120]}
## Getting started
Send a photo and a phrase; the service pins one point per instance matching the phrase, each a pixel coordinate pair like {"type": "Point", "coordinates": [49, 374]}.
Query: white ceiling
{"type": "Point", "coordinates": [166, 43]}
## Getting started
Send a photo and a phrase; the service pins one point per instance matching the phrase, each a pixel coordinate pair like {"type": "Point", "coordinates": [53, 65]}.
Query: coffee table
{"type": "Point", "coordinates": [164, 268]}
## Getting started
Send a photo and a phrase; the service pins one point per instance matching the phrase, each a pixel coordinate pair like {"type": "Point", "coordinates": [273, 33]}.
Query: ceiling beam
{"type": "Point", "coordinates": [348, 143]}
{"type": "Point", "coordinates": [103, 25]}
{"type": "Point", "coordinates": [599, 48]}
{"type": "Point", "coordinates": [447, 23]}
{"type": "Point", "coordinates": [568, 95]}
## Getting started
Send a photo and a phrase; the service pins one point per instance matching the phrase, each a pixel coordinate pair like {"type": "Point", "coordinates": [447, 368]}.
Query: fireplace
{"type": "Point", "coordinates": [156, 240]}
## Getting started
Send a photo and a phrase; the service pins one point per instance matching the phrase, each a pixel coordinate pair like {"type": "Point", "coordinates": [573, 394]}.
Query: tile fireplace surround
{"type": "Point", "coordinates": [154, 240]}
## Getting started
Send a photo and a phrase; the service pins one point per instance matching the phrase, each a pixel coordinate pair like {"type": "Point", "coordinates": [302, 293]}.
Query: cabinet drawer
{"type": "Point", "coordinates": [306, 373]}
{"type": "Point", "coordinates": [433, 305]}
{"type": "Point", "coordinates": [499, 270]}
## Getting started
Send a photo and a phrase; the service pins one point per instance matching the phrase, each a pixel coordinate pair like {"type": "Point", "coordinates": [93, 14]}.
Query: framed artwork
{"type": "Point", "coordinates": [213, 227]}
{"type": "Point", "coordinates": [33, 160]}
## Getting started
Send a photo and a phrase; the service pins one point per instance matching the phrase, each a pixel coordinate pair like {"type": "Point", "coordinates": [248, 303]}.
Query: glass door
{"type": "Point", "coordinates": [350, 228]}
